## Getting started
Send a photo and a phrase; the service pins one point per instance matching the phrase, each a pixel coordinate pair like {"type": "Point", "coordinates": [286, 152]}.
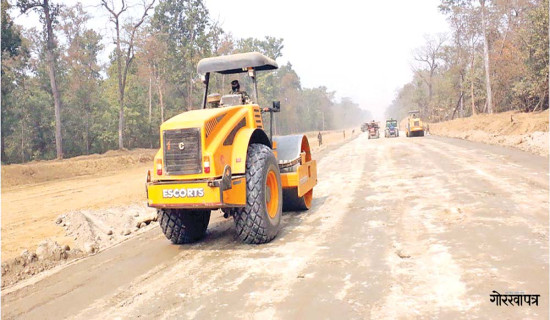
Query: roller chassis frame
{"type": "Point", "coordinates": [300, 178]}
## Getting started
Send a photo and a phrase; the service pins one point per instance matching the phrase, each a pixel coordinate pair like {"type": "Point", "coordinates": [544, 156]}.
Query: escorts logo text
{"type": "Point", "coordinates": [183, 193]}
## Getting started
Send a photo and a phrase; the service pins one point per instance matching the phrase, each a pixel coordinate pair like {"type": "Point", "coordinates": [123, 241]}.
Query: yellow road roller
{"type": "Point", "coordinates": [220, 157]}
{"type": "Point", "coordinates": [415, 127]}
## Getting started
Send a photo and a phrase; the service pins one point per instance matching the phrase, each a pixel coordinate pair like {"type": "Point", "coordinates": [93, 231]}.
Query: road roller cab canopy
{"type": "Point", "coordinates": [236, 63]}
{"type": "Point", "coordinates": [414, 114]}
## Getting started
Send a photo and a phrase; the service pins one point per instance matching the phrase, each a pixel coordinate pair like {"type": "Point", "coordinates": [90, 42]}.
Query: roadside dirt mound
{"type": "Point", "coordinates": [506, 123]}
{"type": "Point", "coordinates": [48, 255]}
{"type": "Point", "coordinates": [42, 171]}
{"type": "Point", "coordinates": [94, 230]}
{"type": "Point", "coordinates": [91, 230]}
{"type": "Point", "coordinates": [525, 131]}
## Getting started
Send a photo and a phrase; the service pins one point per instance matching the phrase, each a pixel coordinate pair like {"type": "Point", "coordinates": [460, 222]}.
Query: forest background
{"type": "Point", "coordinates": [60, 99]}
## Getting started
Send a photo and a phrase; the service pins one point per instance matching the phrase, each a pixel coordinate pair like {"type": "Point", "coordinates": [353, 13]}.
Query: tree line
{"type": "Point", "coordinates": [60, 100]}
{"type": "Point", "coordinates": [495, 59]}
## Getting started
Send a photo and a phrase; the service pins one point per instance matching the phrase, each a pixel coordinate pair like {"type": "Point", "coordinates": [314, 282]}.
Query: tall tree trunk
{"type": "Point", "coordinates": [473, 98]}
{"type": "Point", "coordinates": [120, 88]}
{"type": "Point", "coordinates": [22, 144]}
{"type": "Point", "coordinates": [430, 87]}
{"type": "Point", "coordinates": [150, 101]}
{"type": "Point", "coordinates": [121, 122]}
{"type": "Point", "coordinates": [2, 147]}
{"type": "Point", "coordinates": [189, 93]}
{"type": "Point", "coordinates": [150, 112]}
{"type": "Point", "coordinates": [458, 103]}
{"type": "Point", "coordinates": [87, 131]}
{"type": "Point", "coordinates": [472, 82]}
{"type": "Point", "coordinates": [461, 110]}
{"type": "Point", "coordinates": [53, 82]}
{"type": "Point", "coordinates": [486, 58]}
{"type": "Point", "coordinates": [115, 18]}
{"type": "Point", "coordinates": [161, 100]}
{"type": "Point", "coordinates": [430, 93]}
{"type": "Point", "coordinates": [2, 150]}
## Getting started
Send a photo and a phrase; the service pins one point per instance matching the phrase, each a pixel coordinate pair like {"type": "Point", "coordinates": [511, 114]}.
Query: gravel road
{"type": "Point", "coordinates": [399, 228]}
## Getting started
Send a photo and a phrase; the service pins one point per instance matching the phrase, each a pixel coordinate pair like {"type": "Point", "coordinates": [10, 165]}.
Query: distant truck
{"type": "Point", "coordinates": [364, 127]}
{"type": "Point", "coordinates": [391, 129]}
{"type": "Point", "coordinates": [415, 127]}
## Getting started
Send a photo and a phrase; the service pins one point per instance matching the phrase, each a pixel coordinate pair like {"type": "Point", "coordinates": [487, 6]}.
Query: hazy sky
{"type": "Point", "coordinates": [360, 49]}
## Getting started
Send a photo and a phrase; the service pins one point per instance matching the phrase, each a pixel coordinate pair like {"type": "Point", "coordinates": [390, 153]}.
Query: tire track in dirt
{"type": "Point", "coordinates": [519, 186]}
{"type": "Point", "coordinates": [493, 229]}
{"type": "Point", "coordinates": [348, 276]}
{"type": "Point", "coordinates": [424, 275]}
{"type": "Point", "coordinates": [507, 247]}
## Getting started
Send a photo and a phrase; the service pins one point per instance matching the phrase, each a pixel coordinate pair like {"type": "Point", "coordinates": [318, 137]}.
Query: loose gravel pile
{"type": "Point", "coordinates": [92, 231]}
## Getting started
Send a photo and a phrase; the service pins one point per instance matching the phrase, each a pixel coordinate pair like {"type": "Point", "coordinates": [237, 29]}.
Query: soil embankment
{"type": "Point", "coordinates": [96, 164]}
{"type": "Point", "coordinates": [525, 131]}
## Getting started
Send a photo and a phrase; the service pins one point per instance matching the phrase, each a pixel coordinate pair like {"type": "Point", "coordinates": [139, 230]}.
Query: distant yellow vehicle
{"type": "Point", "coordinates": [415, 127]}
{"type": "Point", "coordinates": [221, 158]}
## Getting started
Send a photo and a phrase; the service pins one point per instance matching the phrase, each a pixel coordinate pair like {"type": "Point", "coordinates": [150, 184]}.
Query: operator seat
{"type": "Point", "coordinates": [229, 100]}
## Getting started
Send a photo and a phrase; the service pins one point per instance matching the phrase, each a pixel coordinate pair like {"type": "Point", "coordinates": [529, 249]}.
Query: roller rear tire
{"type": "Point", "coordinates": [183, 226]}
{"type": "Point", "coordinates": [259, 221]}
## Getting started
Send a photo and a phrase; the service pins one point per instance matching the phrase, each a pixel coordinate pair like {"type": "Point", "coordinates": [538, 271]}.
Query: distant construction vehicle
{"type": "Point", "coordinates": [392, 130]}
{"type": "Point", "coordinates": [221, 158]}
{"type": "Point", "coordinates": [373, 128]}
{"type": "Point", "coordinates": [415, 126]}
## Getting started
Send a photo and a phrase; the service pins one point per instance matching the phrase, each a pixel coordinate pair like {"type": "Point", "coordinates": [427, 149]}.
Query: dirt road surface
{"type": "Point", "coordinates": [399, 228]}
{"type": "Point", "coordinates": [35, 194]}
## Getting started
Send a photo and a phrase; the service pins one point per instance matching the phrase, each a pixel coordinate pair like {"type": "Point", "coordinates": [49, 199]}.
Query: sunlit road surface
{"type": "Point", "coordinates": [400, 228]}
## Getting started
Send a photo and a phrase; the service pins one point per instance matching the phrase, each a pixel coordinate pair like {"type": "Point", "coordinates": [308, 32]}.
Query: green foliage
{"type": "Point", "coordinates": [532, 86]}
{"type": "Point", "coordinates": [518, 38]}
{"type": "Point", "coordinates": [270, 46]}
{"type": "Point", "coordinates": [186, 28]}
{"type": "Point", "coordinates": [161, 81]}
{"type": "Point", "coordinates": [11, 39]}
{"type": "Point", "coordinates": [11, 73]}
{"type": "Point", "coordinates": [83, 101]}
